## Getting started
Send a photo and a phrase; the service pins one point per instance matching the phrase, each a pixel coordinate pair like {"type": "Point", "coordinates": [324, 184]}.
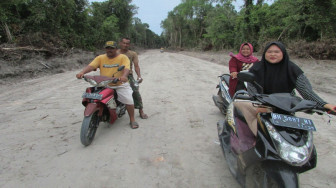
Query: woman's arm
{"type": "Point", "coordinates": [233, 67]}
{"type": "Point", "coordinates": [305, 89]}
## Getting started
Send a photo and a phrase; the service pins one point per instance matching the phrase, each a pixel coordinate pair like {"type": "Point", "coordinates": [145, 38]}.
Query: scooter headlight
{"type": "Point", "coordinates": [293, 155]}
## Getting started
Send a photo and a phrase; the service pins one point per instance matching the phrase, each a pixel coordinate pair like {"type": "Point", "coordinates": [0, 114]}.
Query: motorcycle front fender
{"type": "Point", "coordinates": [90, 108]}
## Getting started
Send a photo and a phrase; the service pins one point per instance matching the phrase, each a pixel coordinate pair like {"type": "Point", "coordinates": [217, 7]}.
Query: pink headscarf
{"type": "Point", "coordinates": [245, 59]}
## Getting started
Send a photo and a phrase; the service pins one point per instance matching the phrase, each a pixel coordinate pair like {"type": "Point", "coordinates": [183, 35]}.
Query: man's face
{"type": "Point", "coordinates": [125, 44]}
{"type": "Point", "coordinates": [111, 52]}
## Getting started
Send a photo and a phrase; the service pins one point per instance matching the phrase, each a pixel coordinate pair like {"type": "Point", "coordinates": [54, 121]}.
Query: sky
{"type": "Point", "coordinates": [153, 12]}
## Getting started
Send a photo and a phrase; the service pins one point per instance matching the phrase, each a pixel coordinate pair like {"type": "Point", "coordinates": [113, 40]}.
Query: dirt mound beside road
{"type": "Point", "coordinates": [18, 63]}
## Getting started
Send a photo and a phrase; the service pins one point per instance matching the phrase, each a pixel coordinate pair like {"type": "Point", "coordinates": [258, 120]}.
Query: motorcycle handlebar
{"type": "Point", "coordinates": [244, 97]}
{"type": "Point", "coordinates": [331, 112]}
{"type": "Point", "coordinates": [115, 80]}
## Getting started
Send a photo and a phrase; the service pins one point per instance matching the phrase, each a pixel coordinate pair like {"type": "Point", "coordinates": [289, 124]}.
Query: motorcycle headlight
{"type": "Point", "coordinates": [104, 83]}
{"type": "Point", "coordinates": [293, 155]}
{"type": "Point", "coordinates": [91, 81]}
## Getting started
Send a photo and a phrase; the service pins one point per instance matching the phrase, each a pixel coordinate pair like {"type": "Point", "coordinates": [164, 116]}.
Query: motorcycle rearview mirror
{"type": "Point", "coordinates": [119, 69]}
{"type": "Point", "coordinates": [246, 76]}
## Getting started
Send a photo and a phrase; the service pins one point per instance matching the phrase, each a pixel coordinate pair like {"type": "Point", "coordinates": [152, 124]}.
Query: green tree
{"type": "Point", "coordinates": [220, 25]}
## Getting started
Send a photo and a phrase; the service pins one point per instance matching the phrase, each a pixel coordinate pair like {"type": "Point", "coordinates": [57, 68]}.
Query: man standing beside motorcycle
{"type": "Point", "coordinates": [124, 45]}
{"type": "Point", "coordinates": [108, 63]}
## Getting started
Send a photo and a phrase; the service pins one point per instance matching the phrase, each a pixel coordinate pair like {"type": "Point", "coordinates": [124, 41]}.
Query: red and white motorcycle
{"type": "Point", "coordinates": [101, 105]}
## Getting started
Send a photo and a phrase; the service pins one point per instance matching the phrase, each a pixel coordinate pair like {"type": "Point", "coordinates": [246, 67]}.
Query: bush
{"type": "Point", "coordinates": [318, 50]}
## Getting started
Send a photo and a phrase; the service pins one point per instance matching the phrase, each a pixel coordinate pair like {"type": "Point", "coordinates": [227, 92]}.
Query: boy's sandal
{"type": "Point", "coordinates": [134, 125]}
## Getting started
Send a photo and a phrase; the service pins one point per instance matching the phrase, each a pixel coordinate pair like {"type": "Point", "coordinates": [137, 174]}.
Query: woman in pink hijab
{"type": "Point", "coordinates": [242, 61]}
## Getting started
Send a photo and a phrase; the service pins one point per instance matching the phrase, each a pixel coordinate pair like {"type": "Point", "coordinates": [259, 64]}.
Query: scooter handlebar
{"type": "Point", "coordinates": [326, 110]}
{"type": "Point", "coordinates": [331, 112]}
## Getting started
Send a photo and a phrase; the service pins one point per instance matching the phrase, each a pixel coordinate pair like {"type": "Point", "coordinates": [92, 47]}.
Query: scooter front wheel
{"type": "Point", "coordinates": [89, 128]}
{"type": "Point", "coordinates": [270, 175]}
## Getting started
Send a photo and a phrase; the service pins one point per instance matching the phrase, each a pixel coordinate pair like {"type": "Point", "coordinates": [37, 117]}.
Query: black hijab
{"type": "Point", "coordinates": [276, 77]}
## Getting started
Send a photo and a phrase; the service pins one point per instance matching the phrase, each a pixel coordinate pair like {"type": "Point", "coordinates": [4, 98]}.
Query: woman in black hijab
{"type": "Point", "coordinates": [277, 74]}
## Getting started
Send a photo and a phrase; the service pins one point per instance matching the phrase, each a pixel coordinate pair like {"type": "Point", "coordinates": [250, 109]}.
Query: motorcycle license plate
{"type": "Point", "coordinates": [293, 122]}
{"type": "Point", "coordinates": [92, 96]}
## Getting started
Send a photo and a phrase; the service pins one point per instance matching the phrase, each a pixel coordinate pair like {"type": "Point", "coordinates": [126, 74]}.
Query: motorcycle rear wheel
{"type": "Point", "coordinates": [89, 128]}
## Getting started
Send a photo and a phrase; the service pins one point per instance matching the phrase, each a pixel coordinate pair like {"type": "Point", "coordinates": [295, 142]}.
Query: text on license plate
{"type": "Point", "coordinates": [293, 122]}
{"type": "Point", "coordinates": [92, 96]}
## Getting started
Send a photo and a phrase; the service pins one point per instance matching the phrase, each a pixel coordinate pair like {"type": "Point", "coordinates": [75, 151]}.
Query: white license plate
{"type": "Point", "coordinates": [92, 96]}
{"type": "Point", "coordinates": [293, 122]}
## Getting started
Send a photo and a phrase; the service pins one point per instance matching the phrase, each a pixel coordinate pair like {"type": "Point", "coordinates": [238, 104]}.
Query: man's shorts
{"type": "Point", "coordinates": [124, 92]}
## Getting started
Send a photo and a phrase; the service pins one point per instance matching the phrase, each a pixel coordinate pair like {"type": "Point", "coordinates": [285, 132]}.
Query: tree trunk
{"type": "Point", "coordinates": [248, 3]}
{"type": "Point", "coordinates": [260, 2]}
{"type": "Point", "coordinates": [180, 38]}
{"type": "Point", "coordinates": [8, 33]}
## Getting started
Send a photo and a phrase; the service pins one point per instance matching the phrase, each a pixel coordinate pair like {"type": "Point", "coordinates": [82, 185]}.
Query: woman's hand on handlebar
{"type": "Point", "coordinates": [331, 108]}
{"type": "Point", "coordinates": [234, 75]}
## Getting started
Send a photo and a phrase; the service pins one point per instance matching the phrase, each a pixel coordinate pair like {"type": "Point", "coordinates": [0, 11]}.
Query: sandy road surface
{"type": "Point", "coordinates": [177, 146]}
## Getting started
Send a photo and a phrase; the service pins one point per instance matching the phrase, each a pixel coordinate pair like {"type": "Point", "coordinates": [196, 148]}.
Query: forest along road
{"type": "Point", "coordinates": [40, 121]}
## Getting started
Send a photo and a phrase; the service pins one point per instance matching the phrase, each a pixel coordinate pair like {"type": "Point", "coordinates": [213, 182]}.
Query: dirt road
{"type": "Point", "coordinates": [177, 146]}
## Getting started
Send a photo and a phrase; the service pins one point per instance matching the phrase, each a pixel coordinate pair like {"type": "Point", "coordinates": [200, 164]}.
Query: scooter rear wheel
{"type": "Point", "coordinates": [89, 128]}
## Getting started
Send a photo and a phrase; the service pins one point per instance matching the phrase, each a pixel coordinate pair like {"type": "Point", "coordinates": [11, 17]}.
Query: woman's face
{"type": "Point", "coordinates": [246, 51]}
{"type": "Point", "coordinates": [273, 54]}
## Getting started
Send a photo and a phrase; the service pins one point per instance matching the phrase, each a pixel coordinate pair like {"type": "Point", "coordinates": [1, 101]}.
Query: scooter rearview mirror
{"type": "Point", "coordinates": [246, 76]}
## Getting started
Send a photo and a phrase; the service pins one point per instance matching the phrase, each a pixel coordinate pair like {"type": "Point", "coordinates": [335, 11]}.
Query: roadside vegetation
{"type": "Point", "coordinates": [308, 27]}
{"type": "Point", "coordinates": [55, 27]}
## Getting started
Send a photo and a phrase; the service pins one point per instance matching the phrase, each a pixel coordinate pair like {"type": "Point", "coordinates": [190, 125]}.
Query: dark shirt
{"type": "Point", "coordinates": [305, 89]}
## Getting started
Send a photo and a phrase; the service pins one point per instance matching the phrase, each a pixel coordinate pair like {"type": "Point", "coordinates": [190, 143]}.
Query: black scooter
{"type": "Point", "coordinates": [222, 99]}
{"type": "Point", "coordinates": [283, 147]}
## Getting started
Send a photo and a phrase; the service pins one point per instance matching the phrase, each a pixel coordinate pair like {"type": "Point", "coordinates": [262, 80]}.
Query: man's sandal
{"type": "Point", "coordinates": [143, 116]}
{"type": "Point", "coordinates": [134, 125]}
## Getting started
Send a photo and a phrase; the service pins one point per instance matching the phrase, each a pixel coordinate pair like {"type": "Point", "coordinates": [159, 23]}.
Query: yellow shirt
{"type": "Point", "coordinates": [109, 67]}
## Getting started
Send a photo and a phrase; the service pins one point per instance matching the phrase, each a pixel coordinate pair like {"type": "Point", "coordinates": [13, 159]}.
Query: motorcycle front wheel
{"type": "Point", "coordinates": [89, 128]}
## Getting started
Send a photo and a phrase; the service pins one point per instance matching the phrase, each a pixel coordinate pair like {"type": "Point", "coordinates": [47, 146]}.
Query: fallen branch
{"type": "Point", "coordinates": [47, 66]}
{"type": "Point", "coordinates": [26, 48]}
